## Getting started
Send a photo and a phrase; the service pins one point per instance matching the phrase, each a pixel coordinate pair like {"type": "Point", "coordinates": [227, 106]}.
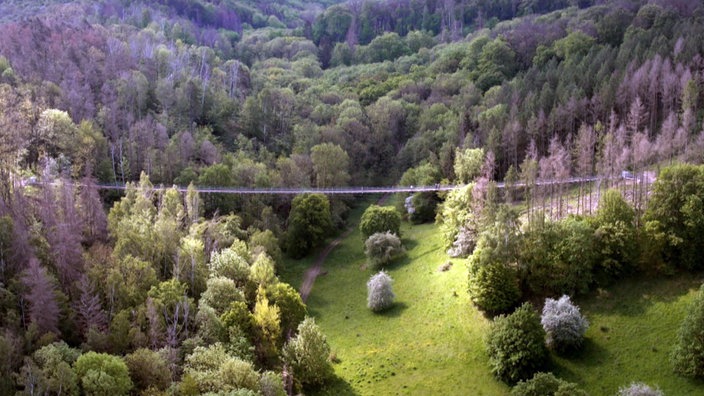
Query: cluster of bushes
{"type": "Point", "coordinates": [572, 255]}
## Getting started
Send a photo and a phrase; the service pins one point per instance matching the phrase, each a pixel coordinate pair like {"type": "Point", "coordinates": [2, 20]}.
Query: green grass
{"type": "Point", "coordinates": [633, 329]}
{"type": "Point", "coordinates": [432, 341]}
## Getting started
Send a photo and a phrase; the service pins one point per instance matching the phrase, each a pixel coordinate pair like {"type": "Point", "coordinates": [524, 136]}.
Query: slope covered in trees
{"type": "Point", "coordinates": [298, 94]}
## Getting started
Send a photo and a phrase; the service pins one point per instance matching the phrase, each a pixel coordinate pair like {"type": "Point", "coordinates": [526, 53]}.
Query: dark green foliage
{"type": "Point", "coordinates": [688, 357]}
{"type": "Point", "coordinates": [148, 370]}
{"type": "Point", "coordinates": [675, 214]}
{"type": "Point", "coordinates": [546, 384]}
{"type": "Point", "coordinates": [380, 219]}
{"type": "Point", "coordinates": [615, 234]}
{"type": "Point", "coordinates": [558, 257]}
{"type": "Point", "coordinates": [493, 287]}
{"type": "Point", "coordinates": [516, 345]}
{"type": "Point", "coordinates": [493, 272]}
{"type": "Point", "coordinates": [309, 223]}
{"type": "Point", "coordinates": [102, 374]}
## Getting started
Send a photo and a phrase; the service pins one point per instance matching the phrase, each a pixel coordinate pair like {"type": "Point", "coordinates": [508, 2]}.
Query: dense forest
{"type": "Point", "coordinates": [161, 290]}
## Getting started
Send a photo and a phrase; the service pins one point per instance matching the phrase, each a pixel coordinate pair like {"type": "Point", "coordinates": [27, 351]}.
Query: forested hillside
{"type": "Point", "coordinates": [291, 93]}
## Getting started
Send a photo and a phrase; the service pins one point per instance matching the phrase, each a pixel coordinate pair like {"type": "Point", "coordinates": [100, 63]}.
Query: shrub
{"type": "Point", "coordinates": [382, 248]}
{"type": "Point", "coordinates": [148, 369]}
{"type": "Point", "coordinates": [546, 384]}
{"type": "Point", "coordinates": [271, 384]}
{"type": "Point", "coordinates": [558, 257]}
{"type": "Point", "coordinates": [688, 355]}
{"type": "Point", "coordinates": [516, 345]}
{"type": "Point", "coordinates": [377, 219]}
{"type": "Point", "coordinates": [639, 389]}
{"type": "Point", "coordinates": [307, 354]}
{"type": "Point", "coordinates": [102, 374]}
{"type": "Point", "coordinates": [615, 235]}
{"type": "Point", "coordinates": [379, 293]}
{"type": "Point", "coordinates": [309, 223]}
{"type": "Point", "coordinates": [493, 286]}
{"type": "Point", "coordinates": [563, 323]}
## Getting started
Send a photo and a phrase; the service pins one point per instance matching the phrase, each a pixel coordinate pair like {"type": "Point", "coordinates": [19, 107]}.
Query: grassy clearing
{"type": "Point", "coordinates": [633, 329]}
{"type": "Point", "coordinates": [430, 342]}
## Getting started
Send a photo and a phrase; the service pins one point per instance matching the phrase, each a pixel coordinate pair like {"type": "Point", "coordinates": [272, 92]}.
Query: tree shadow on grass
{"type": "Point", "coordinates": [590, 354]}
{"type": "Point", "coordinates": [632, 297]}
{"type": "Point", "coordinates": [335, 386]}
{"type": "Point", "coordinates": [395, 311]}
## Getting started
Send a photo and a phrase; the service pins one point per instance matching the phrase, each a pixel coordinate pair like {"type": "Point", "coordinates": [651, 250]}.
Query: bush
{"type": "Point", "coordinates": [639, 389]}
{"type": "Point", "coordinates": [379, 293]}
{"type": "Point", "coordinates": [516, 345]}
{"type": "Point", "coordinates": [379, 219]}
{"type": "Point", "coordinates": [271, 384]}
{"type": "Point", "coordinates": [559, 257]}
{"type": "Point", "coordinates": [493, 286]}
{"type": "Point", "coordinates": [148, 370]}
{"type": "Point", "coordinates": [307, 355]}
{"type": "Point", "coordinates": [688, 355]}
{"type": "Point", "coordinates": [615, 235]}
{"type": "Point", "coordinates": [382, 248]}
{"type": "Point", "coordinates": [102, 374]}
{"type": "Point", "coordinates": [563, 323]}
{"type": "Point", "coordinates": [546, 384]}
{"type": "Point", "coordinates": [309, 223]}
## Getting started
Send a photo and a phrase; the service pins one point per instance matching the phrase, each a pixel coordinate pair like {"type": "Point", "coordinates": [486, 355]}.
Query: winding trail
{"type": "Point", "coordinates": [317, 268]}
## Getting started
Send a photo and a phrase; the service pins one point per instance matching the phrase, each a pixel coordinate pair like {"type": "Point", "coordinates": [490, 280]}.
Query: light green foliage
{"type": "Point", "coordinates": [558, 257]}
{"type": "Point", "coordinates": [675, 214]}
{"type": "Point", "coordinates": [687, 357]}
{"type": "Point", "coordinates": [456, 212]}
{"type": "Point", "coordinates": [382, 248]}
{"type": "Point", "coordinates": [330, 164]}
{"type": "Point", "coordinates": [615, 235]}
{"type": "Point", "coordinates": [148, 370]}
{"type": "Point", "coordinates": [102, 374]}
{"type": "Point", "coordinates": [380, 219]}
{"type": "Point", "coordinates": [468, 164]}
{"type": "Point", "coordinates": [54, 362]}
{"type": "Point", "coordinates": [307, 355]}
{"type": "Point", "coordinates": [266, 242]}
{"type": "Point", "coordinates": [176, 309]}
{"type": "Point", "coordinates": [292, 309]}
{"type": "Point", "coordinates": [220, 293]}
{"type": "Point", "coordinates": [388, 46]}
{"type": "Point", "coordinates": [190, 267]}
{"type": "Point", "coordinates": [230, 264]}
{"type": "Point", "coordinates": [516, 345]}
{"type": "Point", "coordinates": [309, 223]}
{"type": "Point", "coordinates": [129, 281]}
{"type": "Point", "coordinates": [263, 271]}
{"type": "Point", "coordinates": [380, 295]}
{"type": "Point", "coordinates": [267, 319]}
{"type": "Point", "coordinates": [271, 384]}
{"type": "Point", "coordinates": [546, 384]}
{"type": "Point", "coordinates": [213, 369]}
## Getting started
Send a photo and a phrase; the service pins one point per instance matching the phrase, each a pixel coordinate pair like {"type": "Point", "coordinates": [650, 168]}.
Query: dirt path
{"type": "Point", "coordinates": [317, 268]}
